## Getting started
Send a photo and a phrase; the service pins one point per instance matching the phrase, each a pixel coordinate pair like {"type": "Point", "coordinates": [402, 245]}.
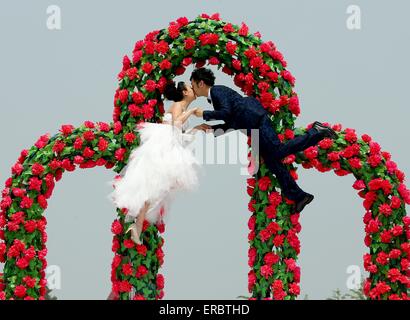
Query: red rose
{"type": "Point", "coordinates": [22, 263]}
{"type": "Point", "coordinates": [250, 205]}
{"type": "Point", "coordinates": [67, 129]}
{"type": "Point", "coordinates": [6, 202]}
{"type": "Point", "coordinates": [37, 169]}
{"type": "Point", "coordinates": [382, 258]}
{"type": "Point", "coordinates": [183, 21]}
{"type": "Point", "coordinates": [129, 243]}
{"type": "Point", "coordinates": [266, 271]}
{"type": "Point", "coordinates": [89, 135]}
{"type": "Point", "coordinates": [88, 153]}
{"type": "Point", "coordinates": [311, 152]}
{"type": "Point", "coordinates": [385, 209]}
{"type": "Point", "coordinates": [251, 182]}
{"type": "Point", "coordinates": [134, 110]}
{"type": "Point", "coordinates": [138, 97]}
{"type": "Point", "coordinates": [149, 47]}
{"type": "Point", "coordinates": [160, 281]}
{"type": "Point", "coordinates": [270, 211]}
{"type": "Point", "coordinates": [278, 240]}
{"type": "Point", "coordinates": [165, 64]}
{"type": "Point", "coordinates": [374, 147]}
{"type": "Point", "coordinates": [20, 291]}
{"type": "Point", "coordinates": [374, 160]}
{"type": "Point", "coordinates": [326, 143]}
{"type": "Point", "coordinates": [373, 226]}
{"type": "Point", "coordinates": [394, 254]}
{"type": "Point", "coordinates": [236, 64]}
{"type": "Point", "coordinates": [119, 154]}
{"type": "Point", "coordinates": [359, 185]}
{"type": "Point", "coordinates": [244, 30]}
{"type": "Point", "coordinates": [366, 138]}
{"type": "Point", "coordinates": [136, 56]}
{"type": "Point", "coordinates": [42, 141]}
{"type": "Point", "coordinates": [270, 258]}
{"type": "Point", "coordinates": [125, 62]}
{"type": "Point", "coordinates": [104, 127]}
{"type": "Point", "coordinates": [162, 47]}
{"type": "Point", "coordinates": [397, 230]}
{"type": "Point", "coordinates": [147, 67]}
{"type": "Point", "coordinates": [273, 227]}
{"type": "Point", "coordinates": [125, 286]}
{"type": "Point", "coordinates": [264, 183]}
{"type": "Point", "coordinates": [150, 85]}
{"type": "Point", "coordinates": [102, 144]}
{"type": "Point", "coordinates": [350, 135]}
{"type": "Point", "coordinates": [294, 289]}
{"type": "Point", "coordinates": [333, 156]}
{"type": "Point", "coordinates": [115, 245]}
{"type": "Point", "coordinates": [127, 269]}
{"type": "Point", "coordinates": [291, 264]}
{"type": "Point", "coordinates": [29, 281]}
{"type": "Point", "coordinates": [228, 28]}
{"type": "Point", "coordinates": [116, 227]}
{"type": "Point", "coordinates": [26, 203]}
{"type": "Point", "coordinates": [385, 236]}
{"type": "Point", "coordinates": [3, 249]}
{"type": "Point", "coordinates": [141, 271]}
{"type": "Point", "coordinates": [213, 61]}
{"type": "Point", "coordinates": [189, 43]}
{"type": "Point", "coordinates": [173, 31]}
{"type": "Point", "coordinates": [231, 47]}
{"type": "Point", "coordinates": [132, 73]}
{"type": "Point", "coordinates": [142, 249]}
{"type": "Point", "coordinates": [123, 95]}
{"type": "Point", "coordinates": [275, 198]}
{"type": "Point", "coordinates": [116, 261]}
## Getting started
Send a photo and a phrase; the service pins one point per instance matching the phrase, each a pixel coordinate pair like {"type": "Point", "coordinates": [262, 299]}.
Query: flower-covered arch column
{"type": "Point", "coordinates": [259, 70]}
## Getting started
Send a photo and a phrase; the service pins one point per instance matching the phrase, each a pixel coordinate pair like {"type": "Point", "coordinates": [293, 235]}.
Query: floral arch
{"type": "Point", "coordinates": [259, 69]}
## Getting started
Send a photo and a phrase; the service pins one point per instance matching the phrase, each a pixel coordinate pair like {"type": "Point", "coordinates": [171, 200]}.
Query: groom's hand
{"type": "Point", "coordinates": [199, 112]}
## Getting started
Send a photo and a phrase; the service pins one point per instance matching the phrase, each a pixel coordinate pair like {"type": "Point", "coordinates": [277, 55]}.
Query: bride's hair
{"type": "Point", "coordinates": [175, 92]}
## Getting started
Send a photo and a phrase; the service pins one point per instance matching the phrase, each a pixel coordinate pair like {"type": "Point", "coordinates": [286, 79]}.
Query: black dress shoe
{"type": "Point", "coordinates": [328, 132]}
{"type": "Point", "coordinates": [303, 202]}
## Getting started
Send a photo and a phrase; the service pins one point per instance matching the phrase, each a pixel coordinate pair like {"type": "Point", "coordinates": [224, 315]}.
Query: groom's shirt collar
{"type": "Point", "coordinates": [209, 95]}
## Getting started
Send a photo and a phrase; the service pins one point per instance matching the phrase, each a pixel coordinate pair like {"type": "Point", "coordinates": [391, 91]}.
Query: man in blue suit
{"type": "Point", "coordinates": [240, 112]}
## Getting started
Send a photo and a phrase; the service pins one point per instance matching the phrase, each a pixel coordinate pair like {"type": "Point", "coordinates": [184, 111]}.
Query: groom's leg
{"type": "Point", "coordinates": [288, 185]}
{"type": "Point", "coordinates": [281, 150]}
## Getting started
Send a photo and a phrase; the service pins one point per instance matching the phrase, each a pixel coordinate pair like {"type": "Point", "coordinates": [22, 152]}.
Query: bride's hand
{"type": "Point", "coordinates": [198, 112]}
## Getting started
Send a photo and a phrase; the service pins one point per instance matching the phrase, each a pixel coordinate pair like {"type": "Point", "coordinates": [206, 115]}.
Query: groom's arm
{"type": "Point", "coordinates": [222, 114]}
{"type": "Point", "coordinates": [223, 110]}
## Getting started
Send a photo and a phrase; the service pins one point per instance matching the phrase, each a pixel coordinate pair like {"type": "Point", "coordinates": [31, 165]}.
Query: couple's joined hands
{"type": "Point", "coordinates": [203, 127]}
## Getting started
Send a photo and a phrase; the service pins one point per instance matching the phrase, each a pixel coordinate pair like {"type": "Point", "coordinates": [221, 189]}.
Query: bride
{"type": "Point", "coordinates": [161, 165]}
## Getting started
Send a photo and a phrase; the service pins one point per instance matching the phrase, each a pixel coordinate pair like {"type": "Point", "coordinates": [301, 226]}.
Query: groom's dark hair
{"type": "Point", "coordinates": [204, 74]}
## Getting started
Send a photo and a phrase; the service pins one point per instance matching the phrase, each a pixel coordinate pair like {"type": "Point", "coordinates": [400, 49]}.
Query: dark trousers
{"type": "Point", "coordinates": [273, 151]}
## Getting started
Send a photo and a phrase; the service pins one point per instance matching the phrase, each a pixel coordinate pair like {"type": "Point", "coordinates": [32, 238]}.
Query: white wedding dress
{"type": "Point", "coordinates": [157, 169]}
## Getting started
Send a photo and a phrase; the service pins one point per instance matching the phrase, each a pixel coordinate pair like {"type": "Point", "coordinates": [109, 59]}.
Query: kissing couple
{"type": "Point", "coordinates": [162, 165]}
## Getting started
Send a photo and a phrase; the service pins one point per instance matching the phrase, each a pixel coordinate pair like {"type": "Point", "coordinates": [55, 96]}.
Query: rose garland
{"type": "Point", "coordinates": [259, 69]}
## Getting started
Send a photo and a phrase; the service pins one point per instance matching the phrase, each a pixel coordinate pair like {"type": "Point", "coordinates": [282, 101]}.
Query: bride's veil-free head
{"type": "Point", "coordinates": [181, 91]}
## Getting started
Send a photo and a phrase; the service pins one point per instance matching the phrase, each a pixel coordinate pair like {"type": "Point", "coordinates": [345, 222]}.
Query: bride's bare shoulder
{"type": "Point", "coordinates": [175, 108]}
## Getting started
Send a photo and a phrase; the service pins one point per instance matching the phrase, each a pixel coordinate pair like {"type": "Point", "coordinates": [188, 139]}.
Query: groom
{"type": "Point", "coordinates": [247, 113]}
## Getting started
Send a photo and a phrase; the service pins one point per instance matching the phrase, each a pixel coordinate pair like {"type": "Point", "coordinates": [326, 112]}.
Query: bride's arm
{"type": "Point", "coordinates": [180, 117]}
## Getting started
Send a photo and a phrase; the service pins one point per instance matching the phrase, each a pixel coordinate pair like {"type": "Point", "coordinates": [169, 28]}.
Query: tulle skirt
{"type": "Point", "coordinates": [157, 169]}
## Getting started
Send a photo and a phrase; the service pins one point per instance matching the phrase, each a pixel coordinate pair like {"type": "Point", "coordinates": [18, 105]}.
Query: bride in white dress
{"type": "Point", "coordinates": [161, 165]}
